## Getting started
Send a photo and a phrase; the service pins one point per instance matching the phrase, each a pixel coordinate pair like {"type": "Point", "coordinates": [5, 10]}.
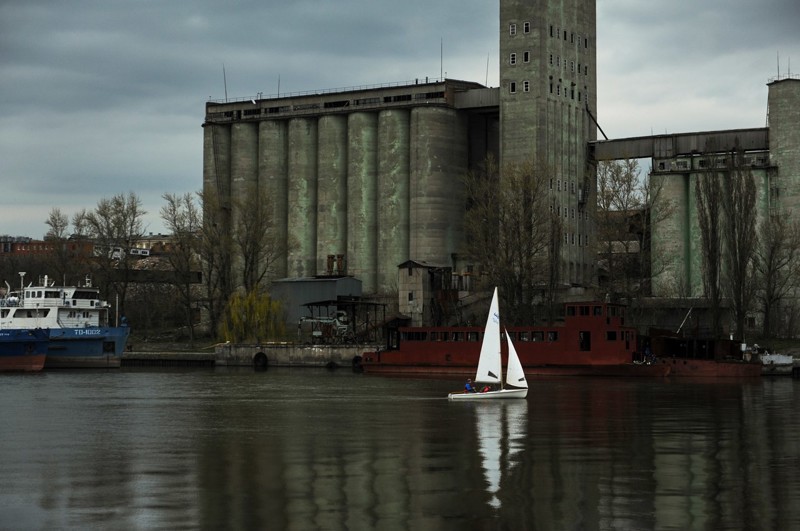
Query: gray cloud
{"type": "Point", "coordinates": [102, 97]}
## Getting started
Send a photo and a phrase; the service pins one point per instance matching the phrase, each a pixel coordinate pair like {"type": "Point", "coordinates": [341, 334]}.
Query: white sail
{"type": "Point", "coordinates": [489, 364]}
{"type": "Point", "coordinates": [515, 376]}
{"type": "Point", "coordinates": [490, 367]}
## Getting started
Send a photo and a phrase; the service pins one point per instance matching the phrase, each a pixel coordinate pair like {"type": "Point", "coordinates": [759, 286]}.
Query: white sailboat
{"type": "Point", "coordinates": [490, 368]}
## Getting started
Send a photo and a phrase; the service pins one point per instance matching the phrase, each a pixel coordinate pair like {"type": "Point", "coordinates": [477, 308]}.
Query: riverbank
{"type": "Point", "coordinates": [254, 355]}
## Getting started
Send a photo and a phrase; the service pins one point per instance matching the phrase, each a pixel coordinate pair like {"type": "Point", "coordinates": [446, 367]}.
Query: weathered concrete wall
{"type": "Point", "coordinates": [273, 152]}
{"type": "Point", "coordinates": [302, 194]}
{"type": "Point", "coordinates": [290, 355]}
{"type": "Point", "coordinates": [392, 195]}
{"type": "Point", "coordinates": [784, 139]}
{"type": "Point", "coordinates": [437, 198]}
{"type": "Point", "coordinates": [331, 189]}
{"type": "Point", "coordinates": [362, 179]}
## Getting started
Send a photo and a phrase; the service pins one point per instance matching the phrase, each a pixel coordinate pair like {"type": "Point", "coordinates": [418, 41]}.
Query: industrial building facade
{"type": "Point", "coordinates": [371, 178]}
{"type": "Point", "coordinates": [364, 180]}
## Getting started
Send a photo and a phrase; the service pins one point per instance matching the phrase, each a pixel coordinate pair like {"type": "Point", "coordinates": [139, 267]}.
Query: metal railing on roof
{"type": "Point", "coordinates": [318, 92]}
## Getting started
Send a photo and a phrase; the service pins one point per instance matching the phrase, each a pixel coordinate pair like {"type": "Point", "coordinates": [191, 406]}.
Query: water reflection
{"type": "Point", "coordinates": [316, 450]}
{"type": "Point", "coordinates": [500, 427]}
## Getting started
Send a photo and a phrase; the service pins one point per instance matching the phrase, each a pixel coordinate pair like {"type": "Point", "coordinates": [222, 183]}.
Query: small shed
{"type": "Point", "coordinates": [297, 293]}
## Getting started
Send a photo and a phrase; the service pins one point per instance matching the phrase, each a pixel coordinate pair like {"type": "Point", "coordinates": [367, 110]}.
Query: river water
{"type": "Point", "coordinates": [305, 449]}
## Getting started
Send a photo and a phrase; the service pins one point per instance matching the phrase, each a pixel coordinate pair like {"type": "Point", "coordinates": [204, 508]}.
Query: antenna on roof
{"type": "Point", "coordinates": [225, 82]}
{"type": "Point", "coordinates": [487, 69]}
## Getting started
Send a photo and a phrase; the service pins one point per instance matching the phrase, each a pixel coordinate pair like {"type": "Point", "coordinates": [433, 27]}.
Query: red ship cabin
{"type": "Point", "coordinates": [592, 338]}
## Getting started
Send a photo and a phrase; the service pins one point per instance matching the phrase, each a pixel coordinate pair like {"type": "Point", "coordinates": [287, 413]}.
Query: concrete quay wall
{"type": "Point", "coordinates": [290, 355]}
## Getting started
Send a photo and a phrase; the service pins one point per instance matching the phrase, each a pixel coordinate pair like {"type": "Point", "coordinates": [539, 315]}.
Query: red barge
{"type": "Point", "coordinates": [592, 341]}
{"type": "Point", "coordinates": [697, 357]}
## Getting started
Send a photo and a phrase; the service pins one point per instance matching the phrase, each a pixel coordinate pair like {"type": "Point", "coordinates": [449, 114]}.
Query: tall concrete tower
{"type": "Point", "coordinates": [547, 111]}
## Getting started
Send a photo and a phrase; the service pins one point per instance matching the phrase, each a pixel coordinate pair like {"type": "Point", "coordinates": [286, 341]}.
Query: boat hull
{"type": "Point", "coordinates": [706, 368]}
{"type": "Point", "coordinates": [22, 350]}
{"type": "Point", "coordinates": [447, 371]}
{"type": "Point", "coordinates": [90, 347]}
{"type": "Point", "coordinates": [500, 394]}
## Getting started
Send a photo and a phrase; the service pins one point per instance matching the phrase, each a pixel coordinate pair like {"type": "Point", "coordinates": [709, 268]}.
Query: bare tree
{"type": "Point", "coordinates": [215, 253]}
{"type": "Point", "coordinates": [776, 262]}
{"type": "Point", "coordinates": [628, 206]}
{"type": "Point", "coordinates": [183, 219]}
{"type": "Point", "coordinates": [58, 223]}
{"type": "Point", "coordinates": [739, 230]}
{"type": "Point", "coordinates": [709, 192]}
{"type": "Point", "coordinates": [61, 263]}
{"type": "Point", "coordinates": [115, 225]}
{"type": "Point", "coordinates": [256, 245]}
{"type": "Point", "coordinates": [509, 232]}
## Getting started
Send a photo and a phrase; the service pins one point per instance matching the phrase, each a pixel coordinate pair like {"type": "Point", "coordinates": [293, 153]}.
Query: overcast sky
{"type": "Point", "coordinates": [102, 97]}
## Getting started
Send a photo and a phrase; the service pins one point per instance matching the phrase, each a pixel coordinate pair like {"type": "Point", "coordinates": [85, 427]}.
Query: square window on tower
{"type": "Point", "coordinates": [512, 59]}
{"type": "Point", "coordinates": [512, 29]}
{"type": "Point", "coordinates": [526, 27]}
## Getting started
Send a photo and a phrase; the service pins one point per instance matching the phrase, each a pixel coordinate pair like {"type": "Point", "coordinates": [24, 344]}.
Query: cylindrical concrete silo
{"type": "Point", "coordinates": [217, 165]}
{"type": "Point", "coordinates": [331, 190]}
{"type": "Point", "coordinates": [302, 194]}
{"type": "Point", "coordinates": [784, 139]}
{"type": "Point", "coordinates": [394, 127]}
{"type": "Point", "coordinates": [362, 167]}
{"type": "Point", "coordinates": [244, 183]}
{"type": "Point", "coordinates": [671, 237]}
{"type": "Point", "coordinates": [437, 199]}
{"type": "Point", "coordinates": [273, 142]}
{"type": "Point", "coordinates": [217, 177]}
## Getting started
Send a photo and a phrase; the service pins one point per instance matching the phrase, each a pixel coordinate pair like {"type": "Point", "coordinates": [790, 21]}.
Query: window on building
{"type": "Point", "coordinates": [572, 66]}
{"type": "Point", "coordinates": [512, 87]}
{"type": "Point", "coordinates": [551, 59]}
{"type": "Point", "coordinates": [526, 86]}
{"type": "Point", "coordinates": [565, 34]}
{"type": "Point", "coordinates": [512, 29]}
{"type": "Point", "coordinates": [512, 59]}
{"type": "Point", "coordinates": [526, 27]}
{"type": "Point", "coordinates": [526, 57]}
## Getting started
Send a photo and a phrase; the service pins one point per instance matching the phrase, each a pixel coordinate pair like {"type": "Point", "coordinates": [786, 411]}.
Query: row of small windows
{"type": "Point", "coordinates": [556, 89]}
{"type": "Point", "coordinates": [582, 214]}
{"type": "Point", "coordinates": [526, 58]}
{"type": "Point", "coordinates": [568, 92]}
{"type": "Point", "coordinates": [524, 336]}
{"type": "Point", "coordinates": [555, 32]}
{"type": "Point", "coordinates": [556, 61]}
{"type": "Point", "coordinates": [512, 28]}
{"type": "Point", "coordinates": [582, 241]}
{"type": "Point", "coordinates": [526, 87]}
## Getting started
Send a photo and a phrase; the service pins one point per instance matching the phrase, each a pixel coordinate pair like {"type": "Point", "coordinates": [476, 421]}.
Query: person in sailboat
{"type": "Point", "coordinates": [468, 386]}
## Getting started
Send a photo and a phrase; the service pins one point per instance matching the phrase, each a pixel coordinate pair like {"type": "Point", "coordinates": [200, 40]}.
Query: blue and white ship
{"type": "Point", "coordinates": [76, 319]}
